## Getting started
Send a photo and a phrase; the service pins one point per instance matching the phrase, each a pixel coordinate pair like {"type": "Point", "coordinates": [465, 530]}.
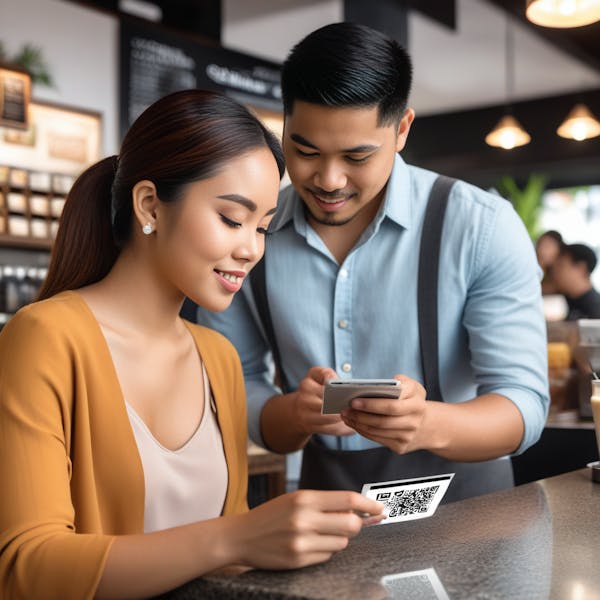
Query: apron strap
{"type": "Point", "coordinates": [427, 304]}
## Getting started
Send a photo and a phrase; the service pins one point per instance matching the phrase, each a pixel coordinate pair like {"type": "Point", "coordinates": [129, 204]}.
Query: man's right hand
{"type": "Point", "coordinates": [288, 420]}
{"type": "Point", "coordinates": [308, 402]}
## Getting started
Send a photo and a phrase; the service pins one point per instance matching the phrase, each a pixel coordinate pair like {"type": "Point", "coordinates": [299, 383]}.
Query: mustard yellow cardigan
{"type": "Point", "coordinates": [70, 473]}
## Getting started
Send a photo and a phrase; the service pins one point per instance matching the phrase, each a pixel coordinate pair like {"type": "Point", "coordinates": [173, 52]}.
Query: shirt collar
{"type": "Point", "coordinates": [396, 203]}
{"type": "Point", "coordinates": [288, 205]}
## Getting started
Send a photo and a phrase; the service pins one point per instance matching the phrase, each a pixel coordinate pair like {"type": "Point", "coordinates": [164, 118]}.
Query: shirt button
{"type": "Point", "coordinates": [346, 367]}
{"type": "Point", "coordinates": [344, 273]}
{"type": "Point", "coordinates": [342, 323]}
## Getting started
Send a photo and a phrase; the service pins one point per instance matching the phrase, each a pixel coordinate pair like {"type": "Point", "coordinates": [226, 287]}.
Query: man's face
{"type": "Point", "coordinates": [340, 160]}
{"type": "Point", "coordinates": [565, 272]}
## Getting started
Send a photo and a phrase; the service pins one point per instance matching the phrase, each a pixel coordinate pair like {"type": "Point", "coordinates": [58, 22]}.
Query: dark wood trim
{"type": "Point", "coordinates": [27, 243]}
{"type": "Point", "coordinates": [453, 144]}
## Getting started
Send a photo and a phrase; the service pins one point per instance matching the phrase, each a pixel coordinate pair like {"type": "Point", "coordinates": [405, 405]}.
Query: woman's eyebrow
{"type": "Point", "coordinates": [249, 204]}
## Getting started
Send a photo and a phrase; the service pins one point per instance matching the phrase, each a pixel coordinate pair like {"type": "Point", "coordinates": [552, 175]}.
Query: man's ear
{"type": "Point", "coordinates": [145, 202]}
{"type": "Point", "coordinates": [404, 128]}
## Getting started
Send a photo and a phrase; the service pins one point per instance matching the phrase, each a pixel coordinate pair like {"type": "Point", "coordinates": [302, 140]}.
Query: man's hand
{"type": "Point", "coordinates": [308, 401]}
{"type": "Point", "coordinates": [393, 423]}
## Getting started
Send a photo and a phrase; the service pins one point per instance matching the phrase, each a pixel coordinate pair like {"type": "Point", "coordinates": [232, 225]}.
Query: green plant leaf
{"type": "Point", "coordinates": [527, 201]}
{"type": "Point", "coordinates": [31, 58]}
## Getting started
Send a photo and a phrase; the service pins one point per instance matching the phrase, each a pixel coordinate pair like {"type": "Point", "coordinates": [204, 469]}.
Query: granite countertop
{"type": "Point", "coordinates": [538, 540]}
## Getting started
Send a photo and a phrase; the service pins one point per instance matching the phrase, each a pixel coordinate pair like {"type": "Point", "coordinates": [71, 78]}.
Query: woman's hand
{"type": "Point", "coordinates": [301, 528]}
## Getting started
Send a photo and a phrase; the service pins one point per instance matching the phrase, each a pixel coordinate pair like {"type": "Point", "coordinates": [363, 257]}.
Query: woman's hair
{"type": "Point", "coordinates": [348, 65]}
{"type": "Point", "coordinates": [180, 139]}
{"type": "Point", "coordinates": [551, 233]}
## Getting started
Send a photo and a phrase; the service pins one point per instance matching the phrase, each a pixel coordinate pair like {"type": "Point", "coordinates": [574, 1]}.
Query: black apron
{"type": "Point", "coordinates": [324, 468]}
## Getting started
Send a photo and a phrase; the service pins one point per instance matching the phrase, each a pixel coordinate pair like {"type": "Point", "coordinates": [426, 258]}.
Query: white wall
{"type": "Point", "coordinates": [81, 49]}
{"type": "Point", "coordinates": [269, 28]}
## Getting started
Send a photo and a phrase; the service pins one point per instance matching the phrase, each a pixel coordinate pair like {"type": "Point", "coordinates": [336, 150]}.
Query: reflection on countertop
{"type": "Point", "coordinates": [534, 541]}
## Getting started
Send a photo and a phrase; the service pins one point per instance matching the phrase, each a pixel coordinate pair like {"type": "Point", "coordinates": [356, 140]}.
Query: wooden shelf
{"type": "Point", "coordinates": [28, 243]}
{"type": "Point", "coordinates": [262, 462]}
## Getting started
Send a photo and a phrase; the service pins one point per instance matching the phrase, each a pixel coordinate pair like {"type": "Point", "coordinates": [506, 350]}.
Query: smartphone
{"type": "Point", "coordinates": [337, 393]}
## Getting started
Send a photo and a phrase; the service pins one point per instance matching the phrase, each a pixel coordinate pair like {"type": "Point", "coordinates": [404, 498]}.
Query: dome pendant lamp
{"type": "Point", "coordinates": [508, 133]}
{"type": "Point", "coordinates": [580, 124]}
{"type": "Point", "coordinates": [563, 13]}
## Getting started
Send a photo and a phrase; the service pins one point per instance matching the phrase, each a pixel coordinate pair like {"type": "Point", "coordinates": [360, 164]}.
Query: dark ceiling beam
{"type": "Point", "coordinates": [388, 16]}
{"type": "Point", "coordinates": [442, 12]}
{"type": "Point", "coordinates": [201, 18]}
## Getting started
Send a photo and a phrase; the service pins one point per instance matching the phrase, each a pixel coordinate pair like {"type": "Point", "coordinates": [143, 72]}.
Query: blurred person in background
{"type": "Point", "coordinates": [571, 273]}
{"type": "Point", "coordinates": [547, 249]}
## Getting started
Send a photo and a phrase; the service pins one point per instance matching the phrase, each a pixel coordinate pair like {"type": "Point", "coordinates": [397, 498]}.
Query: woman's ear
{"type": "Point", "coordinates": [145, 202]}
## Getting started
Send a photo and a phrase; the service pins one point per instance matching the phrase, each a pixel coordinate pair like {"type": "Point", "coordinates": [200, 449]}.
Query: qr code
{"type": "Point", "coordinates": [407, 502]}
{"type": "Point", "coordinates": [417, 587]}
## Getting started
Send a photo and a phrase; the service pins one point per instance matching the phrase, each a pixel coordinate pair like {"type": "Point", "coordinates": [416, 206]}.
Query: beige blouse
{"type": "Point", "coordinates": [184, 485]}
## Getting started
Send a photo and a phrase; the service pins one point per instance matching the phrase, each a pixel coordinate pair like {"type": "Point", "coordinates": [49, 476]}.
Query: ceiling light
{"type": "Point", "coordinates": [142, 9]}
{"type": "Point", "coordinates": [580, 124]}
{"type": "Point", "coordinates": [563, 13]}
{"type": "Point", "coordinates": [507, 134]}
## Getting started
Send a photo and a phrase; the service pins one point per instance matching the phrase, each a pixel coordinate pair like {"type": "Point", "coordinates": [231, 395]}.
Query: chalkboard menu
{"type": "Point", "coordinates": [155, 62]}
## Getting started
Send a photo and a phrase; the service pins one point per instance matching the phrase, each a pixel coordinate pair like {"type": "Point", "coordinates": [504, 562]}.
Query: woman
{"type": "Point", "coordinates": [547, 248]}
{"type": "Point", "coordinates": [122, 427]}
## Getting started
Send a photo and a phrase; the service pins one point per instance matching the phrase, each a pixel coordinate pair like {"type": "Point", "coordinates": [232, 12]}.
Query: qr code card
{"type": "Point", "coordinates": [415, 585]}
{"type": "Point", "coordinates": [408, 499]}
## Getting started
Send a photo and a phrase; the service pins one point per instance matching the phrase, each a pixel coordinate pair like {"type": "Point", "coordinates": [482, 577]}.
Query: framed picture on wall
{"type": "Point", "coordinates": [60, 139]}
{"type": "Point", "coordinates": [15, 92]}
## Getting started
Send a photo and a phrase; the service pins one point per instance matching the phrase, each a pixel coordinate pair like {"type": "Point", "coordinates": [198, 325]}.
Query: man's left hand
{"type": "Point", "coordinates": [393, 423]}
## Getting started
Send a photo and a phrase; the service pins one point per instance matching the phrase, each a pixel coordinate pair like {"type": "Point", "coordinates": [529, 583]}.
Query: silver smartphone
{"type": "Point", "coordinates": [337, 393]}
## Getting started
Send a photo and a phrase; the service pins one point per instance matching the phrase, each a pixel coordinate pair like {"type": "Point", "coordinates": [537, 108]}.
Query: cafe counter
{"type": "Point", "coordinates": [539, 540]}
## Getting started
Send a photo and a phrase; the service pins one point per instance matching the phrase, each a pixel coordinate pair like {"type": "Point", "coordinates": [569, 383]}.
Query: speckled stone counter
{"type": "Point", "coordinates": [540, 540]}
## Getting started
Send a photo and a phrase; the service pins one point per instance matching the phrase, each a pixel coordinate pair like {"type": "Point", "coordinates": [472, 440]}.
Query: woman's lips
{"type": "Point", "coordinates": [230, 280]}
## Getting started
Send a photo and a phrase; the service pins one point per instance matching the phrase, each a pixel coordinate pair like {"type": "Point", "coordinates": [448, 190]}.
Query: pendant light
{"type": "Point", "coordinates": [563, 13]}
{"type": "Point", "coordinates": [508, 133]}
{"type": "Point", "coordinates": [580, 124]}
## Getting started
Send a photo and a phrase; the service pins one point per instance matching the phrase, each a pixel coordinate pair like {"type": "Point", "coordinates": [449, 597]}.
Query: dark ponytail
{"type": "Point", "coordinates": [84, 250]}
{"type": "Point", "coordinates": [182, 138]}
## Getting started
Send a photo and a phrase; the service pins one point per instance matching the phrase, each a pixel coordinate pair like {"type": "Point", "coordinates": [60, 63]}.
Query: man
{"type": "Point", "coordinates": [571, 273]}
{"type": "Point", "coordinates": [342, 267]}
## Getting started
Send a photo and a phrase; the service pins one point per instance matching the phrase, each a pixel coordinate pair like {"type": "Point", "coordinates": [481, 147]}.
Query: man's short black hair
{"type": "Point", "coordinates": [348, 65]}
{"type": "Point", "coordinates": [581, 253]}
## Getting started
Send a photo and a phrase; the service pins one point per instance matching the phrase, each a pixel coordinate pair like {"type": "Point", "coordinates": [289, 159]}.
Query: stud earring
{"type": "Point", "coordinates": [147, 229]}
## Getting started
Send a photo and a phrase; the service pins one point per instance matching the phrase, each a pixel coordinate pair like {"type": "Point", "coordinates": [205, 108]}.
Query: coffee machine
{"type": "Point", "coordinates": [587, 361]}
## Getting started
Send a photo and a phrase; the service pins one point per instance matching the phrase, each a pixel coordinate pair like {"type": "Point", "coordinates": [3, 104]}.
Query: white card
{"type": "Point", "coordinates": [408, 499]}
{"type": "Point", "coordinates": [415, 585]}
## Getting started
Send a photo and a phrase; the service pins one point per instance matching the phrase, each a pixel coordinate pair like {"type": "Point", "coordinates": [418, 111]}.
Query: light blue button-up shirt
{"type": "Point", "coordinates": [360, 317]}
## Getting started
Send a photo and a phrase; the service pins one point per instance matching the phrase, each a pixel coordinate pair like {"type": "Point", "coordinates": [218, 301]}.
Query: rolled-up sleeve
{"type": "Point", "coordinates": [504, 319]}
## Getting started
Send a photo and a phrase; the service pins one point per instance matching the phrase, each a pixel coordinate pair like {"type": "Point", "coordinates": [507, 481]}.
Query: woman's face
{"type": "Point", "coordinates": [547, 250]}
{"type": "Point", "coordinates": [207, 242]}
